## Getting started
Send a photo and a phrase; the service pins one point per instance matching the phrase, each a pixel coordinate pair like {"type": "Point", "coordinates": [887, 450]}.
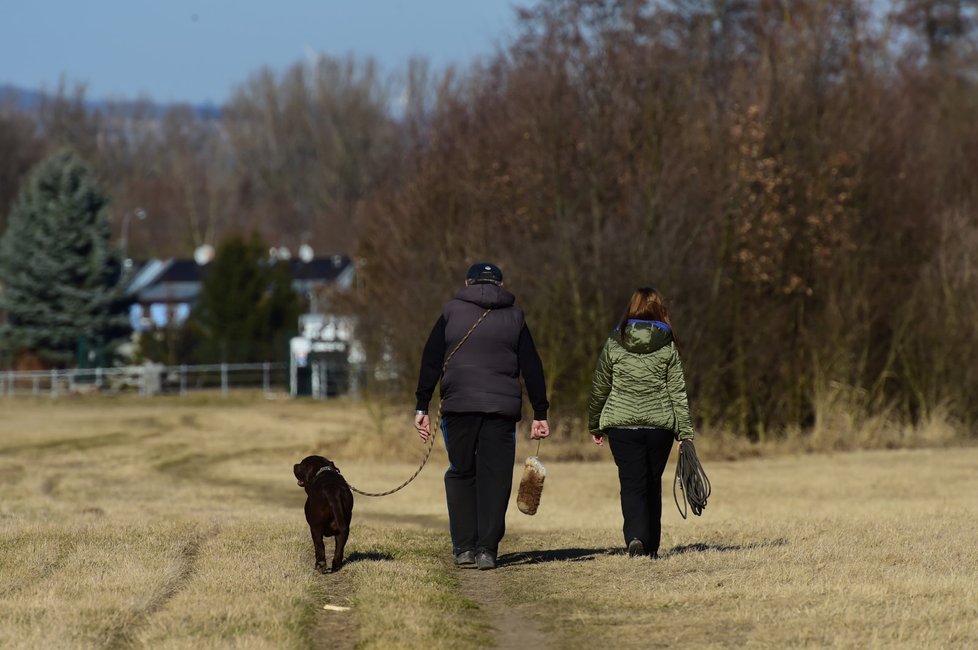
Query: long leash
{"type": "Point", "coordinates": [691, 480]}
{"type": "Point", "coordinates": [431, 434]}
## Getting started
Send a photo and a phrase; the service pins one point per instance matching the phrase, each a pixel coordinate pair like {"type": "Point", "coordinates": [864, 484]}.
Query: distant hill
{"type": "Point", "coordinates": [30, 100]}
{"type": "Point", "coordinates": [25, 99]}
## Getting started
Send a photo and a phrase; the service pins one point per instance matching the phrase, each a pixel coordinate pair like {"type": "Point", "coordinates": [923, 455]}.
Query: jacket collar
{"type": "Point", "coordinates": [486, 295]}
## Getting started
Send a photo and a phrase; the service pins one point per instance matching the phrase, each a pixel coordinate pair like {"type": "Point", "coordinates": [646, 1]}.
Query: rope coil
{"type": "Point", "coordinates": [691, 481]}
{"type": "Point", "coordinates": [431, 434]}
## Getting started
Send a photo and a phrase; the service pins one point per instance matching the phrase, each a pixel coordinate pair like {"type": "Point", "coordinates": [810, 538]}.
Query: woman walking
{"type": "Point", "coordinates": [638, 401]}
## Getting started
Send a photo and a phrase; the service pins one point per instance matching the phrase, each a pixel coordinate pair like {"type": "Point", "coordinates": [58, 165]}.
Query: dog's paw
{"type": "Point", "coordinates": [337, 566]}
{"type": "Point", "coordinates": [322, 567]}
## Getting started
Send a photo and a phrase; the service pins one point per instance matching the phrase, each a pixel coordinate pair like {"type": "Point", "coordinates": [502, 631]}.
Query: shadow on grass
{"type": "Point", "coordinates": [557, 555]}
{"type": "Point", "coordinates": [724, 548]}
{"type": "Point", "coordinates": [368, 556]}
{"type": "Point", "coordinates": [589, 554]}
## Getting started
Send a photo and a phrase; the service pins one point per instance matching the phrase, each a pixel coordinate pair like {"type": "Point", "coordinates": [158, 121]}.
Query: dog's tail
{"type": "Point", "coordinates": [531, 486]}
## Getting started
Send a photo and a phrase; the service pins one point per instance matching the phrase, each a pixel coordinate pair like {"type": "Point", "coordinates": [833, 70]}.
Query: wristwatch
{"type": "Point", "coordinates": [421, 412]}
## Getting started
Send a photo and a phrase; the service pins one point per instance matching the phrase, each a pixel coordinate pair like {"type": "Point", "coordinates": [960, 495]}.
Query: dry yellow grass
{"type": "Point", "coordinates": [169, 523]}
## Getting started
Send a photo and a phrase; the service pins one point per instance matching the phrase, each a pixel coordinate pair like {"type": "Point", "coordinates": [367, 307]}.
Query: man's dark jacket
{"type": "Point", "coordinates": [484, 375]}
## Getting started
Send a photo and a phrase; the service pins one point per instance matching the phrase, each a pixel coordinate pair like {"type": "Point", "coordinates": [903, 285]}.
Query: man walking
{"type": "Point", "coordinates": [481, 401]}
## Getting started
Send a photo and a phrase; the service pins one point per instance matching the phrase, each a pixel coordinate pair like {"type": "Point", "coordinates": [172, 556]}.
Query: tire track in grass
{"type": "Point", "coordinates": [45, 569]}
{"type": "Point", "coordinates": [199, 468]}
{"type": "Point", "coordinates": [511, 629]}
{"type": "Point", "coordinates": [121, 633]}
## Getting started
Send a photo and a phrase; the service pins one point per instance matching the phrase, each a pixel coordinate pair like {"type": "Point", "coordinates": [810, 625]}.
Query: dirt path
{"type": "Point", "coordinates": [511, 628]}
{"type": "Point", "coordinates": [335, 630]}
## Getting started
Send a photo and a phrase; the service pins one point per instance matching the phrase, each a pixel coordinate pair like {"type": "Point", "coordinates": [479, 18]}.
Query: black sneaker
{"type": "Point", "coordinates": [636, 548]}
{"type": "Point", "coordinates": [465, 560]}
{"type": "Point", "coordinates": [485, 560]}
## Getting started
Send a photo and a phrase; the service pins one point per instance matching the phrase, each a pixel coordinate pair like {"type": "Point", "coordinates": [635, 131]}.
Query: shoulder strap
{"type": "Point", "coordinates": [464, 338]}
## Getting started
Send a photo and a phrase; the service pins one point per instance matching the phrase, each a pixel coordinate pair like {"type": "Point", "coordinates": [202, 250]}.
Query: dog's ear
{"type": "Point", "coordinates": [312, 465]}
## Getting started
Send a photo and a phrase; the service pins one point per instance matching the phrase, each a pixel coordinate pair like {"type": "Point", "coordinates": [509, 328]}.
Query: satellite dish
{"type": "Point", "coordinates": [284, 253]}
{"type": "Point", "coordinates": [305, 253]}
{"type": "Point", "coordinates": [204, 254]}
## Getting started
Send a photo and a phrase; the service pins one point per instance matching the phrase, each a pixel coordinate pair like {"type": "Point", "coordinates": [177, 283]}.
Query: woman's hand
{"type": "Point", "coordinates": [598, 439]}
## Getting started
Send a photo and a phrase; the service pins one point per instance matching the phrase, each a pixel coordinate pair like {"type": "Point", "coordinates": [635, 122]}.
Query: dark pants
{"type": "Point", "coordinates": [641, 456]}
{"type": "Point", "coordinates": [481, 452]}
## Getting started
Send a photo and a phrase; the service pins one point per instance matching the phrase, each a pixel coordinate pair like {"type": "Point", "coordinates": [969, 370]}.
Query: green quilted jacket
{"type": "Point", "coordinates": [638, 382]}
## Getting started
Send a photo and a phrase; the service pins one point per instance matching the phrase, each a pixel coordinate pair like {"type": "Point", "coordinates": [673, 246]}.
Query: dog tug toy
{"type": "Point", "coordinates": [531, 485]}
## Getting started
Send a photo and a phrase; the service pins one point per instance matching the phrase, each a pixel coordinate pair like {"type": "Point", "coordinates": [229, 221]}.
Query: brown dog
{"type": "Point", "coordinates": [329, 506]}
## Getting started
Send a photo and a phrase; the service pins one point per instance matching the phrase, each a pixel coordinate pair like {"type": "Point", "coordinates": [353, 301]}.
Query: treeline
{"type": "Point", "coordinates": [290, 157]}
{"type": "Point", "coordinates": [797, 177]}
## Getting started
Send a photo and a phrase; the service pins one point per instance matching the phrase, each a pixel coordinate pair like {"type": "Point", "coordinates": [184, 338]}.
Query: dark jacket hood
{"type": "Point", "coordinates": [645, 336]}
{"type": "Point", "coordinates": [486, 295]}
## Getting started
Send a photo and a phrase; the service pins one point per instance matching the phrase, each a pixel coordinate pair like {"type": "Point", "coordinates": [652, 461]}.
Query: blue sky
{"type": "Point", "coordinates": [198, 50]}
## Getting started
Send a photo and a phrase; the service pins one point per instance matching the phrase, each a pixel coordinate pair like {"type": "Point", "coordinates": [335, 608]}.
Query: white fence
{"type": "Point", "coordinates": [272, 378]}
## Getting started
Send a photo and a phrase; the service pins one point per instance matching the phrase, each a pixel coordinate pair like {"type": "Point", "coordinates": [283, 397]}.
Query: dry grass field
{"type": "Point", "coordinates": [166, 523]}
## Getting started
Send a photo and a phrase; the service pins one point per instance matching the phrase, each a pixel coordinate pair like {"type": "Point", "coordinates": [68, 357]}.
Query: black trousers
{"type": "Point", "coordinates": [641, 456]}
{"type": "Point", "coordinates": [481, 451]}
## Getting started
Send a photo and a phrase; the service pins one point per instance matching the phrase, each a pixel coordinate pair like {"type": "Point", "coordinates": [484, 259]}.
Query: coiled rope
{"type": "Point", "coordinates": [691, 480]}
{"type": "Point", "coordinates": [431, 434]}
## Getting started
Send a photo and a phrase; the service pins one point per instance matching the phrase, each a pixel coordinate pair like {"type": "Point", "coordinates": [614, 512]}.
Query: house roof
{"type": "Point", "coordinates": [323, 269]}
{"type": "Point", "coordinates": [178, 280]}
{"type": "Point", "coordinates": [181, 271]}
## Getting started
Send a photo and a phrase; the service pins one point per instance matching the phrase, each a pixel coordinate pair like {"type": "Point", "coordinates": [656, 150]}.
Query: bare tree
{"type": "Point", "coordinates": [312, 143]}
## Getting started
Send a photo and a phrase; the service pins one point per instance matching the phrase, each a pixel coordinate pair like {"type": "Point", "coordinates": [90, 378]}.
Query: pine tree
{"type": "Point", "coordinates": [60, 277]}
{"type": "Point", "coordinates": [246, 307]}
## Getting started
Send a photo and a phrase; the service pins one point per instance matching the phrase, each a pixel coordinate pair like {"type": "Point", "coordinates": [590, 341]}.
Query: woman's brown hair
{"type": "Point", "coordinates": [647, 304]}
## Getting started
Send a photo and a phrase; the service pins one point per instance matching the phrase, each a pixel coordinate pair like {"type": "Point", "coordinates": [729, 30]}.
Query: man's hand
{"type": "Point", "coordinates": [598, 439]}
{"type": "Point", "coordinates": [423, 424]}
{"type": "Point", "coordinates": [539, 430]}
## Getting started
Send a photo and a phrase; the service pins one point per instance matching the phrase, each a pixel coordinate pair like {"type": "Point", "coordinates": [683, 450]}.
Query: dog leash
{"type": "Point", "coordinates": [431, 434]}
{"type": "Point", "coordinates": [691, 481]}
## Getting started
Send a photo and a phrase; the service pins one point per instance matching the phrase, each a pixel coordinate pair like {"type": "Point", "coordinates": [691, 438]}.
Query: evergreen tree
{"type": "Point", "coordinates": [60, 275]}
{"type": "Point", "coordinates": [247, 307]}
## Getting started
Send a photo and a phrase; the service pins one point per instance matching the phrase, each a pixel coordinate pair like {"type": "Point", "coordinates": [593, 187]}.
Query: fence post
{"type": "Point", "coordinates": [54, 383]}
{"type": "Point", "coordinates": [183, 380]}
{"type": "Point", "coordinates": [224, 380]}
{"type": "Point", "coordinates": [37, 384]}
{"type": "Point", "coordinates": [324, 382]}
{"type": "Point", "coordinates": [265, 378]}
{"type": "Point", "coordinates": [98, 377]}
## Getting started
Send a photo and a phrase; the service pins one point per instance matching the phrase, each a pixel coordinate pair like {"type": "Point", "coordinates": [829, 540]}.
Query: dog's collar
{"type": "Point", "coordinates": [326, 468]}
